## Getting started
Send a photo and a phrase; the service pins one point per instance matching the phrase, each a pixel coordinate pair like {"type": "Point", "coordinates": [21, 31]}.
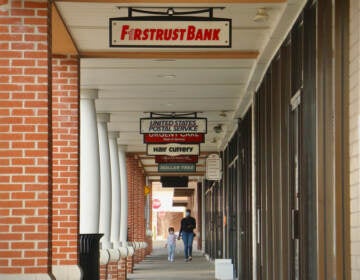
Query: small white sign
{"type": "Point", "coordinates": [172, 149]}
{"type": "Point", "coordinates": [213, 167]}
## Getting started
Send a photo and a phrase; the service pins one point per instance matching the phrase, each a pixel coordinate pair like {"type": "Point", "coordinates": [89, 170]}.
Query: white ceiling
{"type": "Point", "coordinates": [131, 88]}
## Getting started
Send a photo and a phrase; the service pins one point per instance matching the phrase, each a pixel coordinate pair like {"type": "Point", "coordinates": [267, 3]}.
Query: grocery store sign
{"type": "Point", "coordinates": [176, 167]}
{"type": "Point", "coordinates": [170, 32]}
{"type": "Point", "coordinates": [173, 125]}
{"type": "Point", "coordinates": [173, 149]}
{"type": "Point", "coordinates": [154, 138]}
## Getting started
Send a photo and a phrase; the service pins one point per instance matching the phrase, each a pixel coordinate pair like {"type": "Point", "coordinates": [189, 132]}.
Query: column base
{"type": "Point", "coordinates": [66, 272]}
{"type": "Point", "coordinates": [42, 276]}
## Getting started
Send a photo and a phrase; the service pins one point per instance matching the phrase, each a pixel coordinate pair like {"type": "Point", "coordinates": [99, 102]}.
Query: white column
{"type": "Point", "coordinates": [115, 189]}
{"type": "Point", "coordinates": [124, 196]}
{"type": "Point", "coordinates": [89, 164]}
{"type": "Point", "coordinates": [105, 180]}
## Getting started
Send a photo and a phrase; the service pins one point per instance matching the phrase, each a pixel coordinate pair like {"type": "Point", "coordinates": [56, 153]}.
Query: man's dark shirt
{"type": "Point", "coordinates": [187, 224]}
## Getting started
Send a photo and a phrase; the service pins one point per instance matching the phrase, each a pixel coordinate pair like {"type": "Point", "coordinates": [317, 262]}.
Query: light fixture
{"type": "Point", "coordinates": [261, 15]}
{"type": "Point", "coordinates": [170, 11]}
{"type": "Point", "coordinates": [218, 128]}
{"type": "Point", "coordinates": [223, 114]}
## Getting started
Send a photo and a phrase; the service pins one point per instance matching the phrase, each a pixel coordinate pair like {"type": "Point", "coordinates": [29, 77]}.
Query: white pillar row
{"type": "Point", "coordinates": [89, 164]}
{"type": "Point", "coordinates": [115, 190]}
{"type": "Point", "coordinates": [105, 180]}
{"type": "Point", "coordinates": [124, 195]}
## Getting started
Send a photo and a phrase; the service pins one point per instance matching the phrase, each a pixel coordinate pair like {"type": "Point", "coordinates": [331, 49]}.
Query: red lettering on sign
{"type": "Point", "coordinates": [159, 34]}
{"type": "Point", "coordinates": [153, 138]}
{"type": "Point", "coordinates": [191, 32]}
{"type": "Point", "coordinates": [215, 36]}
{"type": "Point", "coordinates": [124, 31]}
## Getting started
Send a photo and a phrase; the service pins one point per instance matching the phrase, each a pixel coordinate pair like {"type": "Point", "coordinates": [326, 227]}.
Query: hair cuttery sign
{"type": "Point", "coordinates": [173, 149]}
{"type": "Point", "coordinates": [170, 32]}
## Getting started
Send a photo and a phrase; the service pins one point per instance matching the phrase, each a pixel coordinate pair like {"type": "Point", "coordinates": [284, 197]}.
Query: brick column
{"type": "Point", "coordinates": [136, 205]}
{"type": "Point", "coordinates": [65, 123]}
{"type": "Point", "coordinates": [122, 273]}
{"type": "Point", "coordinates": [130, 264]}
{"type": "Point", "coordinates": [25, 141]}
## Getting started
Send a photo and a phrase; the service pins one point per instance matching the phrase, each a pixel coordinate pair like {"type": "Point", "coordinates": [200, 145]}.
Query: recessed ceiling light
{"type": "Point", "coordinates": [167, 76]}
{"type": "Point", "coordinates": [261, 15]}
{"type": "Point", "coordinates": [223, 114]}
{"type": "Point", "coordinates": [218, 128]}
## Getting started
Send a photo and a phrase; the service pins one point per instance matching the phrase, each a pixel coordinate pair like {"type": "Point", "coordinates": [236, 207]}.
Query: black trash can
{"type": "Point", "coordinates": [89, 255]}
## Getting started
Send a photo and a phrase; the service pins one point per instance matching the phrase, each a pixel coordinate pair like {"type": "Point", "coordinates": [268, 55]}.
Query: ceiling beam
{"type": "Point", "coordinates": [251, 54]}
{"type": "Point", "coordinates": [178, 1]}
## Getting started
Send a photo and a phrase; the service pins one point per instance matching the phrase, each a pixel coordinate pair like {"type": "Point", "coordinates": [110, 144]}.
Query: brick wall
{"type": "Point", "coordinates": [136, 204]}
{"type": "Point", "coordinates": [354, 137]}
{"type": "Point", "coordinates": [24, 138]}
{"type": "Point", "coordinates": [65, 124]}
{"type": "Point", "coordinates": [148, 239]}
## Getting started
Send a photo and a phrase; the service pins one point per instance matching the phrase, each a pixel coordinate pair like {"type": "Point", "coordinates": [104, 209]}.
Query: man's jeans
{"type": "Point", "coordinates": [187, 238]}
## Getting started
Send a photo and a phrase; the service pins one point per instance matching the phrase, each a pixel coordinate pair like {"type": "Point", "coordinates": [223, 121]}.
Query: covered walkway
{"type": "Point", "coordinates": [157, 267]}
{"type": "Point", "coordinates": [117, 115]}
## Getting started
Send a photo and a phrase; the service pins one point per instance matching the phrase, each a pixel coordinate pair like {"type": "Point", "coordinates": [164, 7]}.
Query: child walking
{"type": "Point", "coordinates": [171, 244]}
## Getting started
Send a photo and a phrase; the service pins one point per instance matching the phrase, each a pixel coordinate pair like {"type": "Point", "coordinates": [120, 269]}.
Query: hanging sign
{"type": "Point", "coordinates": [173, 125]}
{"type": "Point", "coordinates": [154, 138]}
{"type": "Point", "coordinates": [170, 32]}
{"type": "Point", "coordinates": [176, 159]}
{"type": "Point", "coordinates": [176, 167]}
{"type": "Point", "coordinates": [173, 149]}
{"type": "Point", "coordinates": [213, 167]}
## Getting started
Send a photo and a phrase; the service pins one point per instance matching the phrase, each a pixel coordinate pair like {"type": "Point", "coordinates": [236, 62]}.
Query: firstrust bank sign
{"type": "Point", "coordinates": [170, 32]}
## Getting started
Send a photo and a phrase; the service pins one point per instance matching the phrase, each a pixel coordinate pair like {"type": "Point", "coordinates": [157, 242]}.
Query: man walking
{"type": "Point", "coordinates": [187, 233]}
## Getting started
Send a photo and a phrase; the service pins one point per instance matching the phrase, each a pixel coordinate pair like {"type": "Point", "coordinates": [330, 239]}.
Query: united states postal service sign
{"type": "Point", "coordinates": [173, 125]}
{"type": "Point", "coordinates": [170, 32]}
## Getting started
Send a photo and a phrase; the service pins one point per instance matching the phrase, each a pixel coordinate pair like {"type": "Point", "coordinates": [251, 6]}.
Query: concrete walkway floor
{"type": "Point", "coordinates": [157, 267]}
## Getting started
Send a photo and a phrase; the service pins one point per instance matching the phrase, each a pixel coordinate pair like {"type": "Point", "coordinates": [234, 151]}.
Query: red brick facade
{"type": "Point", "coordinates": [65, 128]}
{"type": "Point", "coordinates": [136, 207]}
{"type": "Point", "coordinates": [25, 141]}
{"type": "Point", "coordinates": [39, 151]}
